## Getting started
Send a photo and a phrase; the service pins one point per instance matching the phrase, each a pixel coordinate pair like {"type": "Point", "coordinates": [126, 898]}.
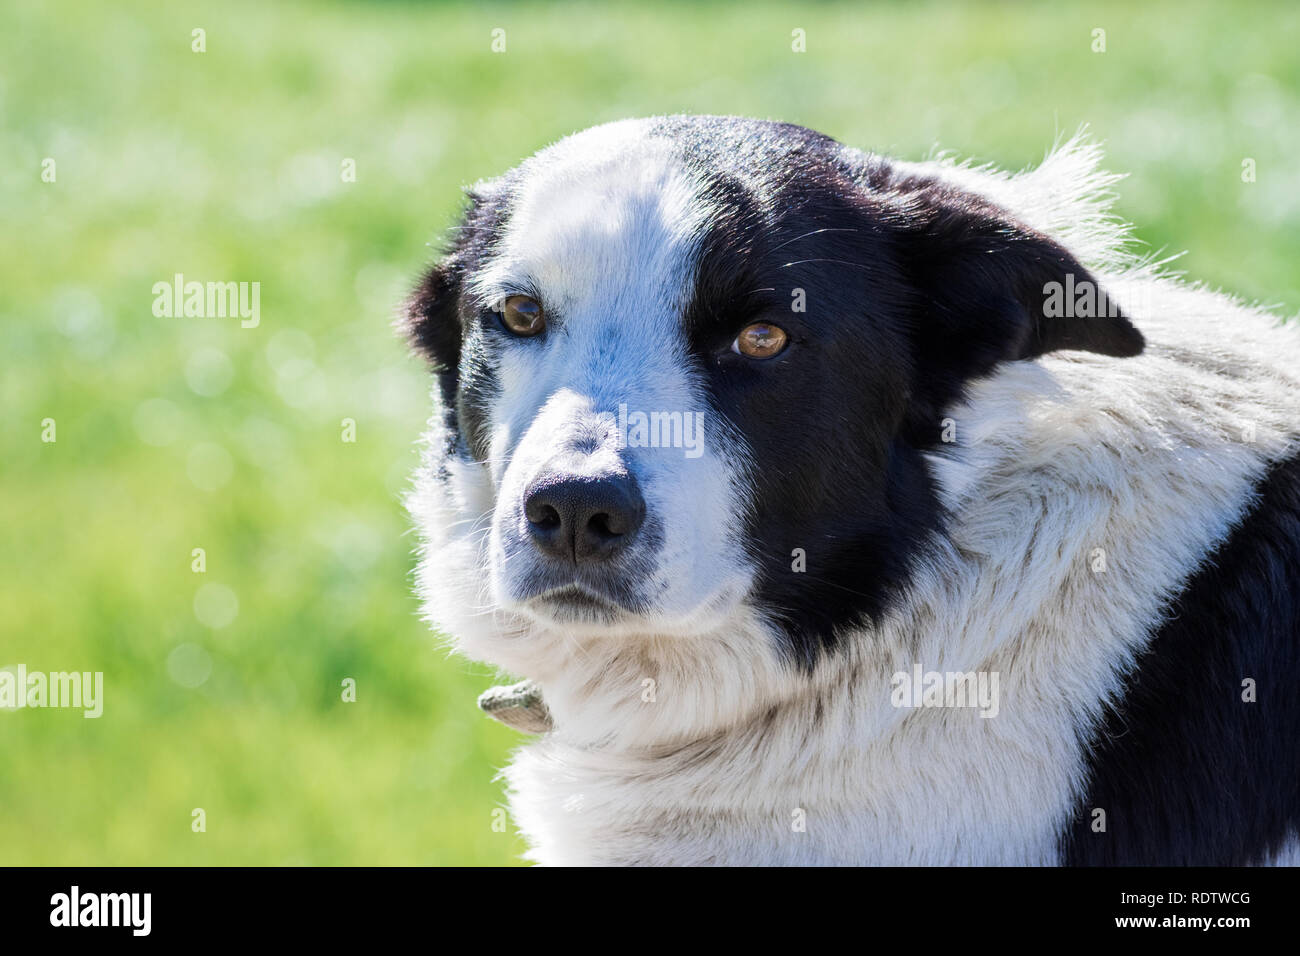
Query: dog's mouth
{"type": "Point", "coordinates": [575, 603]}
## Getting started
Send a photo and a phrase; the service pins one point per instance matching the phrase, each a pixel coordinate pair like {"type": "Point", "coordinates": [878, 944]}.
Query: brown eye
{"type": "Point", "coordinates": [760, 341]}
{"type": "Point", "coordinates": [522, 316]}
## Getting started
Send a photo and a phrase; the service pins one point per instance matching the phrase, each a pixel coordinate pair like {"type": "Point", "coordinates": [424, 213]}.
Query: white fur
{"type": "Point", "coordinates": [1287, 855]}
{"type": "Point", "coordinates": [1142, 457]}
{"type": "Point", "coordinates": [604, 227]}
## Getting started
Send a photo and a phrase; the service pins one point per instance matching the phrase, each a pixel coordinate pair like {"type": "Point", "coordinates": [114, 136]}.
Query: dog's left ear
{"type": "Point", "coordinates": [989, 289]}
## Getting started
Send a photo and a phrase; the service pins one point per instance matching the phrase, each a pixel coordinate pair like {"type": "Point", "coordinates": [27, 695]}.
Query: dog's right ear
{"type": "Point", "coordinates": [431, 319]}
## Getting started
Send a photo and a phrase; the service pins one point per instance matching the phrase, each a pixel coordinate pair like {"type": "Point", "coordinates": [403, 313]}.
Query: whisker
{"type": "Point", "coordinates": [813, 233]}
{"type": "Point", "coordinates": [843, 262]}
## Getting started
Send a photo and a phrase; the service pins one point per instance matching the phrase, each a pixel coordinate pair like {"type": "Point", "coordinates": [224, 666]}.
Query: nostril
{"type": "Point", "coordinates": [545, 517]}
{"type": "Point", "coordinates": [605, 526]}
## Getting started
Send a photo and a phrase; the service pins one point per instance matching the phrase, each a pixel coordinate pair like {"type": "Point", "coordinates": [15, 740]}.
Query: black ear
{"type": "Point", "coordinates": [988, 289]}
{"type": "Point", "coordinates": [431, 318]}
{"type": "Point", "coordinates": [431, 321]}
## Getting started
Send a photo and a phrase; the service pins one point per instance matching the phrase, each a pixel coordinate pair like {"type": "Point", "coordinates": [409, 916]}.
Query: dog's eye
{"type": "Point", "coordinates": [522, 316]}
{"type": "Point", "coordinates": [760, 341]}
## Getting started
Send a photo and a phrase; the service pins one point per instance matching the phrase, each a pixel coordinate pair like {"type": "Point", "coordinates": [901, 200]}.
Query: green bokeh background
{"type": "Point", "coordinates": [175, 434]}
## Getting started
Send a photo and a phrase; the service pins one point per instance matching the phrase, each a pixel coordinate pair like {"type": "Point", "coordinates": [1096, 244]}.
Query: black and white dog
{"type": "Point", "coordinates": [840, 513]}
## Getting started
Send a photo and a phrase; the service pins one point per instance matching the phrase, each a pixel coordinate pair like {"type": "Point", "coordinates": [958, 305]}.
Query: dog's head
{"type": "Point", "coordinates": [689, 369]}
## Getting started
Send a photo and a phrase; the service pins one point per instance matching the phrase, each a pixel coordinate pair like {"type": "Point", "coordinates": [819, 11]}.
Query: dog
{"type": "Point", "coordinates": [843, 510]}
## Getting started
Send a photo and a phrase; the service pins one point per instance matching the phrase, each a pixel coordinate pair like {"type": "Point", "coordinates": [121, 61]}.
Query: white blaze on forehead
{"type": "Point", "coordinates": [604, 228]}
{"type": "Point", "coordinates": [609, 216]}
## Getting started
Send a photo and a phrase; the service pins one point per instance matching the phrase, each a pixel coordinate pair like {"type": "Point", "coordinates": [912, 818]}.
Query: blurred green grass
{"type": "Point", "coordinates": [175, 434]}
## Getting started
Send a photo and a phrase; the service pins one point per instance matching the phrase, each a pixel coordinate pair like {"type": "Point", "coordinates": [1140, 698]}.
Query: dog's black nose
{"type": "Point", "coordinates": [583, 518]}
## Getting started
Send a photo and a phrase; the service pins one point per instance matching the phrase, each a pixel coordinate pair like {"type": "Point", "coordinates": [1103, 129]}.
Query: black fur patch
{"type": "Point", "coordinates": [442, 323]}
{"type": "Point", "coordinates": [1188, 773]}
{"type": "Point", "coordinates": [910, 289]}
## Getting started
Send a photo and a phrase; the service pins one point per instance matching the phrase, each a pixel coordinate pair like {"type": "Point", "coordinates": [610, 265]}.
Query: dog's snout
{"type": "Point", "coordinates": [583, 518]}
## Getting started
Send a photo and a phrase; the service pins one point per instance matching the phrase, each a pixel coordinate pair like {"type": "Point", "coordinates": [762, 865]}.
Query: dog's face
{"type": "Point", "coordinates": [689, 371]}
